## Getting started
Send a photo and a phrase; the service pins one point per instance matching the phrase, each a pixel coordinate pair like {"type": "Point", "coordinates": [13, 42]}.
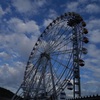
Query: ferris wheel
{"type": "Point", "coordinates": [54, 63]}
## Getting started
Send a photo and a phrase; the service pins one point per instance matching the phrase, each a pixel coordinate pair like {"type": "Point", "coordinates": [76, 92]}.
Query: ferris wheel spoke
{"type": "Point", "coordinates": [61, 47]}
{"type": "Point", "coordinates": [34, 55]}
{"type": "Point", "coordinates": [53, 67]}
{"type": "Point", "coordinates": [29, 72]}
{"type": "Point", "coordinates": [61, 52]}
{"type": "Point", "coordinates": [70, 72]}
{"type": "Point", "coordinates": [43, 44]}
{"type": "Point", "coordinates": [49, 35]}
{"type": "Point", "coordinates": [64, 38]}
{"type": "Point", "coordinates": [61, 59]}
{"type": "Point", "coordinates": [67, 79]}
{"type": "Point", "coordinates": [51, 42]}
{"type": "Point", "coordinates": [61, 37]}
{"type": "Point", "coordinates": [56, 64]}
{"type": "Point", "coordinates": [54, 32]}
{"type": "Point", "coordinates": [33, 77]}
{"type": "Point", "coordinates": [34, 59]}
{"type": "Point", "coordinates": [64, 69]}
{"type": "Point", "coordinates": [61, 43]}
{"type": "Point", "coordinates": [39, 51]}
{"type": "Point", "coordinates": [59, 62]}
{"type": "Point", "coordinates": [57, 30]}
{"type": "Point", "coordinates": [58, 80]}
{"type": "Point", "coordinates": [56, 74]}
{"type": "Point", "coordinates": [52, 78]}
{"type": "Point", "coordinates": [59, 33]}
{"type": "Point", "coordinates": [34, 66]}
{"type": "Point", "coordinates": [56, 41]}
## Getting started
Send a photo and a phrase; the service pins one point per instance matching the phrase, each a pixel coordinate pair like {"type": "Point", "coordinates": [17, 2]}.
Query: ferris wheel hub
{"type": "Point", "coordinates": [46, 55]}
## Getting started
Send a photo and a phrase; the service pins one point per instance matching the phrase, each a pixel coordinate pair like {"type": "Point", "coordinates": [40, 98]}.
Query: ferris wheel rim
{"type": "Point", "coordinates": [55, 22]}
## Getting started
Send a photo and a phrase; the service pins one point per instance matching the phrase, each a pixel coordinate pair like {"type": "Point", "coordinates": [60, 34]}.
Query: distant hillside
{"type": "Point", "coordinates": [6, 93]}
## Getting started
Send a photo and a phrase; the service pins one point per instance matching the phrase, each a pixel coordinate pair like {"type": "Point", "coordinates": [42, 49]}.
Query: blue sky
{"type": "Point", "coordinates": [22, 21]}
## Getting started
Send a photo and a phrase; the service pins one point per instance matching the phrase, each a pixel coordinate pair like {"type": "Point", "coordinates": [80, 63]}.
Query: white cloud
{"type": "Point", "coordinates": [90, 76]}
{"type": "Point", "coordinates": [40, 3]}
{"type": "Point", "coordinates": [20, 44]}
{"type": "Point", "coordinates": [21, 34]}
{"type": "Point", "coordinates": [52, 14]}
{"type": "Point", "coordinates": [92, 61]}
{"type": "Point", "coordinates": [11, 76]}
{"type": "Point", "coordinates": [82, 1]}
{"type": "Point", "coordinates": [47, 22]}
{"type": "Point", "coordinates": [93, 50]}
{"type": "Point", "coordinates": [19, 48]}
{"type": "Point", "coordinates": [19, 26]}
{"type": "Point", "coordinates": [82, 6]}
{"type": "Point", "coordinates": [4, 55]}
{"type": "Point", "coordinates": [28, 6]}
{"type": "Point", "coordinates": [92, 8]}
{"type": "Point", "coordinates": [93, 24]}
{"type": "Point", "coordinates": [22, 5]}
{"type": "Point", "coordinates": [1, 11]}
{"type": "Point", "coordinates": [95, 36]}
{"type": "Point", "coordinates": [75, 6]}
{"type": "Point", "coordinates": [72, 6]}
{"type": "Point", "coordinates": [95, 85]}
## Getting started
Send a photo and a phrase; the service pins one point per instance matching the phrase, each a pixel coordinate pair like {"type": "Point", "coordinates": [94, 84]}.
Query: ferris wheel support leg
{"type": "Point", "coordinates": [53, 83]}
{"type": "Point", "coordinates": [43, 71]}
{"type": "Point", "coordinates": [76, 74]}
